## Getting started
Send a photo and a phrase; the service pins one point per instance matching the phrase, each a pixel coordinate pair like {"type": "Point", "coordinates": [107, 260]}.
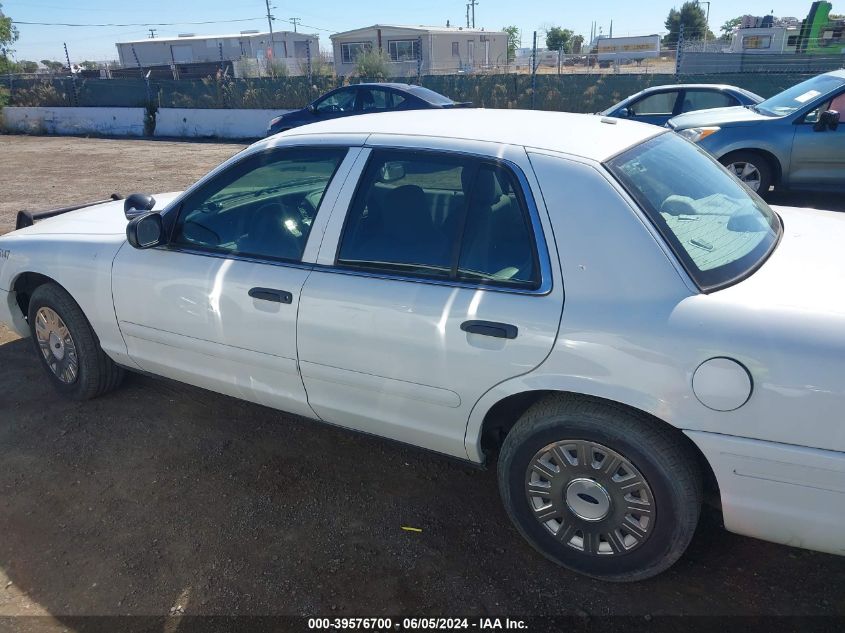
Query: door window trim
{"type": "Point", "coordinates": [542, 258]}
{"type": "Point", "coordinates": [176, 213]}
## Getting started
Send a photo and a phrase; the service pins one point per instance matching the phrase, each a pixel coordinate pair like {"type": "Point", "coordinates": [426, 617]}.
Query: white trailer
{"type": "Point", "coordinates": [625, 49]}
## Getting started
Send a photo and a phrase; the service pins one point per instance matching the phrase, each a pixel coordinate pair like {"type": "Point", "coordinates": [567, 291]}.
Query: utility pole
{"type": "Point", "coordinates": [153, 33]}
{"type": "Point", "coordinates": [707, 25]}
{"type": "Point", "coordinates": [467, 15]}
{"type": "Point", "coordinates": [295, 21]}
{"type": "Point", "coordinates": [270, 19]}
{"type": "Point", "coordinates": [472, 3]}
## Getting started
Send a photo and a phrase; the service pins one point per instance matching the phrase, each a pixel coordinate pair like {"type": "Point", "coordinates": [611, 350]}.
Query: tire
{"type": "Point", "coordinates": [751, 168]}
{"type": "Point", "coordinates": [52, 314]}
{"type": "Point", "coordinates": [625, 535]}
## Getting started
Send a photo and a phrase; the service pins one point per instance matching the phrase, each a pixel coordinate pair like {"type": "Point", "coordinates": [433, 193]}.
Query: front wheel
{"type": "Point", "coordinates": [68, 347]}
{"type": "Point", "coordinates": [599, 489]}
{"type": "Point", "coordinates": [751, 168]}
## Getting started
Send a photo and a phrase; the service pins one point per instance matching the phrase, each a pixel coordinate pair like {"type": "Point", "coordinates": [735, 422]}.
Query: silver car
{"type": "Point", "coordinates": [791, 141]}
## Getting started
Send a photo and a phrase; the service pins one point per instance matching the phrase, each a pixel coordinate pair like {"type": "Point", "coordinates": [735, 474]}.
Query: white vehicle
{"type": "Point", "coordinates": [595, 304]}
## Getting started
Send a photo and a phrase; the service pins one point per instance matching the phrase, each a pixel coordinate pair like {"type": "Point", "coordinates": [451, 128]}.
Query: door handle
{"type": "Point", "coordinates": [490, 328]}
{"type": "Point", "coordinates": [271, 294]}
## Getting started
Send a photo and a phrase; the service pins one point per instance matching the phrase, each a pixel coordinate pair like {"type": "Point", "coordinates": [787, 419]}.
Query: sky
{"type": "Point", "coordinates": [330, 16]}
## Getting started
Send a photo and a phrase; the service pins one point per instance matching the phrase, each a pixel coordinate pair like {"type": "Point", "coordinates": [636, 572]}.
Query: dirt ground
{"type": "Point", "coordinates": [165, 499]}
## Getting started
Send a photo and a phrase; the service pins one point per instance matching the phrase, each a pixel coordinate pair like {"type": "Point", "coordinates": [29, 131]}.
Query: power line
{"type": "Point", "coordinates": [145, 24]}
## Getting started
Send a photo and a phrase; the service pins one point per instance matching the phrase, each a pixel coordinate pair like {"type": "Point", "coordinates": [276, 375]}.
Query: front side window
{"type": "Point", "coordinates": [340, 101]}
{"type": "Point", "coordinates": [442, 217]}
{"type": "Point", "coordinates": [718, 229]}
{"type": "Point", "coordinates": [350, 51]}
{"type": "Point", "coordinates": [403, 50]}
{"type": "Point", "coordinates": [660, 103]}
{"type": "Point", "coordinates": [264, 206]}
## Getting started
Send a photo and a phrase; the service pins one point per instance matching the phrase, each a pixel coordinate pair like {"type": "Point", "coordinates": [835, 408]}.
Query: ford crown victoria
{"type": "Point", "coordinates": [593, 305]}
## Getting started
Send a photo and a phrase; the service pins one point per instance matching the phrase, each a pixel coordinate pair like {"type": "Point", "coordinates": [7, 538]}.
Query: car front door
{"type": "Point", "coordinates": [655, 108]}
{"type": "Point", "coordinates": [818, 156]}
{"type": "Point", "coordinates": [336, 104]}
{"type": "Point", "coordinates": [434, 283]}
{"type": "Point", "coordinates": [216, 307]}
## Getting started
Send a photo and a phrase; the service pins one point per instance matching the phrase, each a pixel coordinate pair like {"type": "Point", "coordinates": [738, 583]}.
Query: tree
{"type": "Point", "coordinates": [577, 43]}
{"type": "Point", "coordinates": [372, 64]}
{"type": "Point", "coordinates": [27, 66]}
{"type": "Point", "coordinates": [8, 36]}
{"type": "Point", "coordinates": [514, 41]}
{"type": "Point", "coordinates": [53, 67]}
{"type": "Point", "coordinates": [728, 27]}
{"type": "Point", "coordinates": [89, 65]}
{"type": "Point", "coordinates": [558, 39]}
{"type": "Point", "coordinates": [693, 18]}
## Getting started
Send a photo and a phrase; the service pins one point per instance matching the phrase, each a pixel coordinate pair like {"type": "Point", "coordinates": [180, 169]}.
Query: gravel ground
{"type": "Point", "coordinates": [161, 498]}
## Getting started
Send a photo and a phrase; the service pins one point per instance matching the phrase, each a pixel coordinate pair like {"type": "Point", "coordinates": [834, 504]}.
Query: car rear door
{"type": "Point", "coordinates": [216, 307]}
{"type": "Point", "coordinates": [435, 282]}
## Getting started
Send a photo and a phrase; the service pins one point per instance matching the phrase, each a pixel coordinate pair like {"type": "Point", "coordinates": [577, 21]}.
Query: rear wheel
{"type": "Point", "coordinates": [600, 489]}
{"type": "Point", "coordinates": [68, 347]}
{"type": "Point", "coordinates": [751, 168]}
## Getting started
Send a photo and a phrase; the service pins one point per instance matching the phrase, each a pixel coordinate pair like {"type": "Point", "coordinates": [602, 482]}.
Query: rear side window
{"type": "Point", "coordinates": [704, 99]}
{"type": "Point", "coordinates": [442, 217]}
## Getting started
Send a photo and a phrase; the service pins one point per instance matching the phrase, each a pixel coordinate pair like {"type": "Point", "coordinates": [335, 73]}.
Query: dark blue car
{"type": "Point", "coordinates": [658, 104]}
{"type": "Point", "coordinates": [363, 99]}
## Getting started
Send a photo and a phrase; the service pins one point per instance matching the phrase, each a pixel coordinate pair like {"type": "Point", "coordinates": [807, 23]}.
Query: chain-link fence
{"type": "Point", "coordinates": [573, 92]}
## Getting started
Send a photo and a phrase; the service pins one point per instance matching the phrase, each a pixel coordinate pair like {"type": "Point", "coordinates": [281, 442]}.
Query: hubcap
{"type": "Point", "coordinates": [56, 345]}
{"type": "Point", "coordinates": [747, 173]}
{"type": "Point", "coordinates": [589, 497]}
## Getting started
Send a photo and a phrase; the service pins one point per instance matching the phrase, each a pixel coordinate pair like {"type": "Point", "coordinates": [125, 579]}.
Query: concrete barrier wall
{"type": "Point", "coordinates": [193, 123]}
{"type": "Point", "coordinates": [45, 120]}
{"type": "Point", "coordinates": [174, 122]}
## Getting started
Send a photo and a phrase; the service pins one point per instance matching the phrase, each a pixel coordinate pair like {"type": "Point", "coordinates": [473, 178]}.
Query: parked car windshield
{"type": "Point", "coordinates": [718, 228]}
{"type": "Point", "coordinates": [792, 99]}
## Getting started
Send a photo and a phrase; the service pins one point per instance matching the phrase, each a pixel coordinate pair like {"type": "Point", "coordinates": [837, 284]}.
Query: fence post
{"type": "Point", "coordinates": [534, 72]}
{"type": "Point", "coordinates": [72, 76]}
{"type": "Point", "coordinates": [419, 59]}
{"type": "Point", "coordinates": [308, 69]}
{"type": "Point", "coordinates": [679, 51]}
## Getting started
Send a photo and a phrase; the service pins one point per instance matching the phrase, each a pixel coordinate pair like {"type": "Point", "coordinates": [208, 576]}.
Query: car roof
{"type": "Point", "coordinates": [585, 135]}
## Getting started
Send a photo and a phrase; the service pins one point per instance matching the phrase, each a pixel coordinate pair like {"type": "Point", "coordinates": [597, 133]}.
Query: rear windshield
{"type": "Point", "coordinates": [718, 228]}
{"type": "Point", "coordinates": [432, 97]}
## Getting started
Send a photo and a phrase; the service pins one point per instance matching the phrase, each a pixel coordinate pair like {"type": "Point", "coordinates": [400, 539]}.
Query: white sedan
{"type": "Point", "coordinates": [594, 305]}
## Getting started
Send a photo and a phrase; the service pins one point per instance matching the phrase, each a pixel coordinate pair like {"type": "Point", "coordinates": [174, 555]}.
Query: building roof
{"type": "Point", "coordinates": [215, 37]}
{"type": "Point", "coordinates": [420, 28]}
{"type": "Point", "coordinates": [585, 135]}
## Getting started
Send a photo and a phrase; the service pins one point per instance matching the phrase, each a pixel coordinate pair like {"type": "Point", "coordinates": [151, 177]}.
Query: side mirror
{"type": "Point", "coordinates": [311, 108]}
{"type": "Point", "coordinates": [624, 113]}
{"type": "Point", "coordinates": [145, 231]}
{"type": "Point", "coordinates": [136, 204]}
{"type": "Point", "coordinates": [828, 120]}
